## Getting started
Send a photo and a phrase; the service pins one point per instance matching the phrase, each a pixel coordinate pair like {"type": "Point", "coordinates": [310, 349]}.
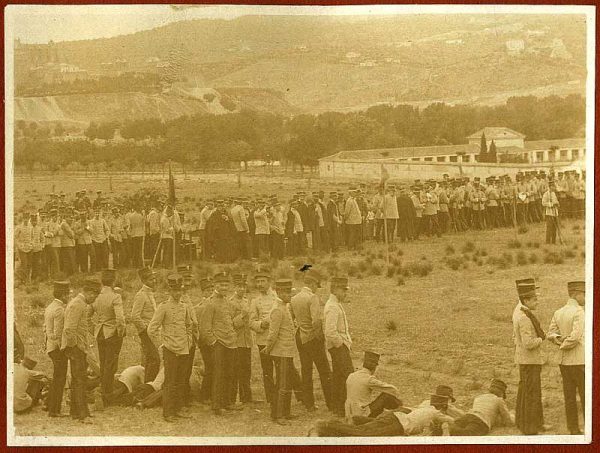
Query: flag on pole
{"type": "Point", "coordinates": [171, 187]}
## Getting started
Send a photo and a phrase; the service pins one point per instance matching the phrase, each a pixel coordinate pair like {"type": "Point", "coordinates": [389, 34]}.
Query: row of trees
{"type": "Point", "coordinates": [303, 139]}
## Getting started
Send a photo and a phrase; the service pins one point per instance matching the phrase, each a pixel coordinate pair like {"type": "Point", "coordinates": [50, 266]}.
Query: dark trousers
{"type": "Point", "coordinates": [287, 380]}
{"type": "Point", "coordinates": [573, 378]}
{"type": "Point", "coordinates": [222, 376]}
{"type": "Point", "coordinates": [150, 357]}
{"type": "Point", "coordinates": [101, 254]}
{"type": "Point", "coordinates": [135, 243]}
{"type": "Point", "coordinates": [35, 260]}
{"type": "Point", "coordinates": [379, 230]}
{"type": "Point", "coordinates": [277, 246]}
{"type": "Point", "coordinates": [341, 365]}
{"type": "Point", "coordinates": [59, 377]}
{"type": "Point", "coordinates": [244, 249]}
{"type": "Point", "coordinates": [174, 381]}
{"type": "Point", "coordinates": [324, 238]}
{"type": "Point", "coordinates": [353, 235]}
{"type": "Point", "coordinates": [242, 369]}
{"type": "Point", "coordinates": [208, 359]}
{"type": "Point", "coordinates": [313, 352]}
{"type": "Point", "coordinates": [262, 244]}
{"type": "Point", "coordinates": [391, 229]}
{"type": "Point", "coordinates": [84, 254]}
{"type": "Point", "coordinates": [187, 371]}
{"type": "Point", "coordinates": [120, 395]}
{"type": "Point", "coordinates": [79, 407]}
{"type": "Point", "coordinates": [108, 356]}
{"type": "Point", "coordinates": [385, 425]}
{"type": "Point", "coordinates": [551, 222]}
{"type": "Point", "coordinates": [382, 402]}
{"type": "Point", "coordinates": [67, 257]}
{"type": "Point", "coordinates": [529, 414]}
{"type": "Point", "coordinates": [52, 260]}
{"type": "Point", "coordinates": [469, 425]}
{"type": "Point", "coordinates": [266, 364]}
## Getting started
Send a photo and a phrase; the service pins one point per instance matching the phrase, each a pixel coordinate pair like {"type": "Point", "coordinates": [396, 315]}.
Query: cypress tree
{"type": "Point", "coordinates": [483, 149]}
{"type": "Point", "coordinates": [492, 154]}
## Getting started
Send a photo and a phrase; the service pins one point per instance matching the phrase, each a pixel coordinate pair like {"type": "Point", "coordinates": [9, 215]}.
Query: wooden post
{"type": "Point", "coordinates": [385, 228]}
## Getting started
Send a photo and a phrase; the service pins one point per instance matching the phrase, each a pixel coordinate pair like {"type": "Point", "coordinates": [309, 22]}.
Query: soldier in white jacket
{"type": "Point", "coordinates": [567, 331]}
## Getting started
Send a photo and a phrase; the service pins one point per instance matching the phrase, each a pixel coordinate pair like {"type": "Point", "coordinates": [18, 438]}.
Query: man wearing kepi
{"type": "Point", "coordinates": [110, 329]}
{"type": "Point", "coordinates": [488, 410]}
{"type": "Point", "coordinates": [218, 331]}
{"type": "Point", "coordinates": [307, 311]}
{"type": "Point", "coordinates": [144, 306]}
{"type": "Point", "coordinates": [367, 396]}
{"type": "Point", "coordinates": [75, 345]}
{"type": "Point", "coordinates": [567, 331]}
{"type": "Point", "coordinates": [338, 342]}
{"type": "Point", "coordinates": [528, 337]}
{"type": "Point", "coordinates": [281, 346]}
{"type": "Point", "coordinates": [260, 310]}
{"type": "Point", "coordinates": [175, 320]}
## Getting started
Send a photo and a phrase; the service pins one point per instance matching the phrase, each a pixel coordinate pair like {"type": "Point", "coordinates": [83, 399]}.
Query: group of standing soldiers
{"type": "Point", "coordinates": [224, 324]}
{"type": "Point", "coordinates": [82, 236]}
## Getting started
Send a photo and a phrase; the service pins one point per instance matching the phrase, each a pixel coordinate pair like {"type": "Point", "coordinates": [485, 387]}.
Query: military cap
{"type": "Point", "coordinates": [206, 283]}
{"type": "Point", "coordinates": [262, 272]}
{"type": "Point", "coordinates": [499, 385]}
{"type": "Point", "coordinates": [175, 281]}
{"type": "Point", "coordinates": [109, 273]}
{"type": "Point", "coordinates": [146, 273]}
{"type": "Point", "coordinates": [239, 278]}
{"type": "Point", "coordinates": [184, 269]}
{"type": "Point", "coordinates": [61, 285]}
{"type": "Point", "coordinates": [92, 284]}
{"type": "Point", "coordinates": [445, 391]}
{"type": "Point", "coordinates": [576, 286]}
{"type": "Point", "coordinates": [283, 283]}
{"type": "Point", "coordinates": [526, 287]}
{"type": "Point", "coordinates": [371, 359]}
{"type": "Point", "coordinates": [221, 277]}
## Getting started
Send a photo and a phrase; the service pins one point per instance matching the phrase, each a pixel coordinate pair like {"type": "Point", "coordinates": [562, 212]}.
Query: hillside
{"type": "Point", "coordinates": [325, 63]}
{"type": "Point", "coordinates": [103, 107]}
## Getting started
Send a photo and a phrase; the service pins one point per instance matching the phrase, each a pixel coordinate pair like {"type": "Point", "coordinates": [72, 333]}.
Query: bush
{"type": "Point", "coordinates": [533, 258]}
{"type": "Point", "coordinates": [420, 268]}
{"type": "Point", "coordinates": [391, 325]}
{"type": "Point", "coordinates": [400, 252]}
{"type": "Point", "coordinates": [483, 252]}
{"type": "Point", "coordinates": [364, 265]}
{"type": "Point", "coordinates": [353, 270]}
{"type": "Point", "coordinates": [514, 244]}
{"type": "Point", "coordinates": [393, 247]}
{"type": "Point", "coordinates": [35, 320]}
{"type": "Point", "coordinates": [454, 263]}
{"type": "Point", "coordinates": [469, 247]}
{"type": "Point", "coordinates": [522, 258]}
{"type": "Point", "coordinates": [401, 281]}
{"type": "Point", "coordinates": [568, 254]}
{"type": "Point", "coordinates": [522, 229]}
{"type": "Point", "coordinates": [449, 250]}
{"type": "Point", "coordinates": [508, 257]}
{"type": "Point", "coordinates": [377, 268]}
{"type": "Point", "coordinates": [553, 258]}
{"type": "Point", "coordinates": [391, 271]}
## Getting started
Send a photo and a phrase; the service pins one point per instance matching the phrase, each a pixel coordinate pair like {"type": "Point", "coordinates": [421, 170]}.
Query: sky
{"type": "Point", "coordinates": [40, 24]}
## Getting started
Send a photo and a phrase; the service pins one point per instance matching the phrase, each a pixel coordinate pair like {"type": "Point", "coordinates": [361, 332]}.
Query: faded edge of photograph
{"type": "Point", "coordinates": [299, 225]}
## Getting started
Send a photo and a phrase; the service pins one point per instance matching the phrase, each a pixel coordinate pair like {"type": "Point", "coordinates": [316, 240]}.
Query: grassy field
{"type": "Point", "coordinates": [440, 315]}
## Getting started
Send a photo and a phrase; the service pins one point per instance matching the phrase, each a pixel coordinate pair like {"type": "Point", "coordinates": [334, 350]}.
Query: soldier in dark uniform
{"type": "Point", "coordinates": [220, 234]}
{"type": "Point", "coordinates": [406, 216]}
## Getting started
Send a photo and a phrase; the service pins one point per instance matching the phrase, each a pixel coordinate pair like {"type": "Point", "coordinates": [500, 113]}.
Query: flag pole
{"type": "Point", "coordinates": [172, 181]}
{"type": "Point", "coordinates": [384, 178]}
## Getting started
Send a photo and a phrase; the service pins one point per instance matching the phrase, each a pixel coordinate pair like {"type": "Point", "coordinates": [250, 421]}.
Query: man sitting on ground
{"type": "Point", "coordinates": [419, 421]}
{"type": "Point", "coordinates": [367, 396]}
{"type": "Point", "coordinates": [28, 385]}
{"type": "Point", "coordinates": [124, 385]}
{"type": "Point", "coordinates": [489, 410]}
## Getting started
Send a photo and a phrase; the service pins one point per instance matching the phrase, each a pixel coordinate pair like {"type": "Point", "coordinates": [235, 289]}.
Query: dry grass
{"type": "Point", "coordinates": [452, 327]}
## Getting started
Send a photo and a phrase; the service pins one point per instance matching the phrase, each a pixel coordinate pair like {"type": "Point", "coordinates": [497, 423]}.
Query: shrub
{"type": "Point", "coordinates": [553, 258]}
{"type": "Point", "coordinates": [454, 263]}
{"type": "Point", "coordinates": [533, 258]}
{"type": "Point", "coordinates": [391, 325]}
{"type": "Point", "coordinates": [514, 244]}
{"type": "Point", "coordinates": [522, 229]}
{"type": "Point", "coordinates": [508, 257]}
{"type": "Point", "coordinates": [393, 247]}
{"type": "Point", "coordinates": [400, 252]}
{"type": "Point", "coordinates": [449, 250]}
{"type": "Point", "coordinates": [380, 255]}
{"type": "Point", "coordinates": [364, 265]}
{"type": "Point", "coordinates": [377, 268]}
{"type": "Point", "coordinates": [568, 254]}
{"type": "Point", "coordinates": [391, 271]}
{"type": "Point", "coordinates": [469, 247]}
{"type": "Point", "coordinates": [353, 270]}
{"type": "Point", "coordinates": [401, 281]}
{"type": "Point", "coordinates": [35, 320]}
{"type": "Point", "coordinates": [521, 258]}
{"type": "Point", "coordinates": [344, 266]}
{"type": "Point", "coordinates": [483, 252]}
{"type": "Point", "coordinates": [420, 268]}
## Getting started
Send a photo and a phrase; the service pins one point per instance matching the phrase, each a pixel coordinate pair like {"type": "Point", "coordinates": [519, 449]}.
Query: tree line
{"type": "Point", "coordinates": [207, 140]}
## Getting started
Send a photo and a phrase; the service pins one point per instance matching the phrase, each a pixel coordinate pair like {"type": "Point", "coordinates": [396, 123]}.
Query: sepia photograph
{"type": "Point", "coordinates": [299, 225]}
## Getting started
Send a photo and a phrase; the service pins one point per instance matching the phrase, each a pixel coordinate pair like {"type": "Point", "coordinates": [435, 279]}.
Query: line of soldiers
{"type": "Point", "coordinates": [224, 324]}
{"type": "Point", "coordinates": [84, 237]}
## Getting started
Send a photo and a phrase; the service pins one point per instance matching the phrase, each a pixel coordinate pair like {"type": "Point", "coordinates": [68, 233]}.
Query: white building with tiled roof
{"type": "Point", "coordinates": [454, 159]}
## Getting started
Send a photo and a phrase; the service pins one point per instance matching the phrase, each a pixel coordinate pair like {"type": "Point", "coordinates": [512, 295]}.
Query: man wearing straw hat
{"type": "Point", "coordinates": [567, 332]}
{"type": "Point", "coordinates": [528, 337]}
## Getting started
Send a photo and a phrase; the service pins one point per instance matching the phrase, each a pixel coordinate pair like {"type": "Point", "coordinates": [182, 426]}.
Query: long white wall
{"type": "Point", "coordinates": [366, 170]}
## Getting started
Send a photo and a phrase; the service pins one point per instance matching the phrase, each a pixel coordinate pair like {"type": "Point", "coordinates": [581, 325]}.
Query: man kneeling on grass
{"type": "Point", "coordinates": [488, 410]}
{"type": "Point", "coordinates": [391, 423]}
